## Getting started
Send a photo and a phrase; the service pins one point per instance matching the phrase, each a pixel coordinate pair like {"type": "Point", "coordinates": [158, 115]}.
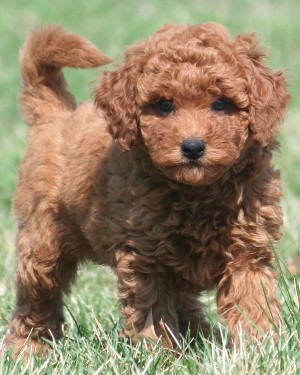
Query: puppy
{"type": "Point", "coordinates": [167, 178]}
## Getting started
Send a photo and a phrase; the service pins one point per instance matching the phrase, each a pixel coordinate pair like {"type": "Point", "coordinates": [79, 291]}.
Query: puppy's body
{"type": "Point", "coordinates": [171, 224]}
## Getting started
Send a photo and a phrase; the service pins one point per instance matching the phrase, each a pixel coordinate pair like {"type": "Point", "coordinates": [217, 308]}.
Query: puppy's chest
{"type": "Point", "coordinates": [181, 234]}
{"type": "Point", "coordinates": [195, 248]}
{"type": "Point", "coordinates": [201, 240]}
{"type": "Point", "coordinates": [203, 224]}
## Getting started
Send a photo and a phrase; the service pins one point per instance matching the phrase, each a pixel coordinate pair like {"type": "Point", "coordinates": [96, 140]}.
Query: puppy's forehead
{"type": "Point", "coordinates": [189, 61]}
{"type": "Point", "coordinates": [178, 36]}
{"type": "Point", "coordinates": [200, 45]}
{"type": "Point", "coordinates": [203, 32]}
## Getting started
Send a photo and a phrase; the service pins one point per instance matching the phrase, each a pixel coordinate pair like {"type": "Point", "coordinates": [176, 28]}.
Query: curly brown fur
{"type": "Point", "coordinates": [170, 221]}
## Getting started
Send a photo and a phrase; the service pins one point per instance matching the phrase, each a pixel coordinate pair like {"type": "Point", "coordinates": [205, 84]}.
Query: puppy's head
{"type": "Point", "coordinates": [195, 98]}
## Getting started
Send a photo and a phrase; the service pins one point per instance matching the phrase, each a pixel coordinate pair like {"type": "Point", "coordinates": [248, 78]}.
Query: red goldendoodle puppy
{"type": "Point", "coordinates": [168, 179]}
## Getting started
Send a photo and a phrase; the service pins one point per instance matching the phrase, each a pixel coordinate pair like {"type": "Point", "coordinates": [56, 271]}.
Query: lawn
{"type": "Point", "coordinates": [93, 344]}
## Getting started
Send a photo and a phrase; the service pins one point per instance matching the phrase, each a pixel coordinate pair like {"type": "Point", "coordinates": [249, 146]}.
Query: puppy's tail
{"type": "Point", "coordinates": [44, 54]}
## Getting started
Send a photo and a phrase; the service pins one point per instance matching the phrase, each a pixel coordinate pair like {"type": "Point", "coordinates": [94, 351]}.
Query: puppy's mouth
{"type": "Point", "coordinates": [185, 173]}
{"type": "Point", "coordinates": [193, 173]}
{"type": "Point", "coordinates": [185, 164]}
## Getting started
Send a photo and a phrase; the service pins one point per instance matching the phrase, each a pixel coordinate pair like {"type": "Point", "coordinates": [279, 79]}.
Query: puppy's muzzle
{"type": "Point", "coordinates": [193, 148]}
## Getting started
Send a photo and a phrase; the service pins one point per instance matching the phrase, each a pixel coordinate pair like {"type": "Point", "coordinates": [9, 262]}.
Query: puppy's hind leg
{"type": "Point", "coordinates": [47, 264]}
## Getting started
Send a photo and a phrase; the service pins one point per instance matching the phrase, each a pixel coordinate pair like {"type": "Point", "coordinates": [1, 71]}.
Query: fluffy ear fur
{"type": "Point", "coordinates": [116, 97]}
{"type": "Point", "coordinates": [268, 93]}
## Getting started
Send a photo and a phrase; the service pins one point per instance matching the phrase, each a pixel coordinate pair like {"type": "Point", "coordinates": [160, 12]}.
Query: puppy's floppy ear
{"type": "Point", "coordinates": [267, 91]}
{"type": "Point", "coordinates": [116, 97]}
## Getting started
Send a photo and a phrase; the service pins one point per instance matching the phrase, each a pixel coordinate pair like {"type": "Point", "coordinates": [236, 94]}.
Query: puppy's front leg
{"type": "Point", "coordinates": [246, 298]}
{"type": "Point", "coordinates": [148, 299]}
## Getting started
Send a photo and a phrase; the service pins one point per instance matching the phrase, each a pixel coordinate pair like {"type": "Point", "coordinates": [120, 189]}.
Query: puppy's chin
{"type": "Point", "coordinates": [193, 174]}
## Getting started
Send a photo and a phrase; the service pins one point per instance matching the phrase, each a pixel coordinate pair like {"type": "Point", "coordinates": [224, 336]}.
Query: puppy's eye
{"type": "Point", "coordinates": [166, 106]}
{"type": "Point", "coordinates": [221, 105]}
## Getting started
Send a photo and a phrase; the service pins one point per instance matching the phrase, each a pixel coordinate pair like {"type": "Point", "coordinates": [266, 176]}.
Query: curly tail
{"type": "Point", "coordinates": [43, 56]}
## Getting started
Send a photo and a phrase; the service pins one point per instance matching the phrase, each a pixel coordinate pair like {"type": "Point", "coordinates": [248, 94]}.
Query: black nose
{"type": "Point", "coordinates": [193, 148]}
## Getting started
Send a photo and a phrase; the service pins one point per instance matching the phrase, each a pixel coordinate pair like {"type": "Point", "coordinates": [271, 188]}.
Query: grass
{"type": "Point", "coordinates": [96, 347]}
{"type": "Point", "coordinates": [93, 344]}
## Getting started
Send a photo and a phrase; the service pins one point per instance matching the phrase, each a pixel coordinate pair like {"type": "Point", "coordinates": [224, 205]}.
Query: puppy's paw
{"type": "Point", "coordinates": [26, 346]}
